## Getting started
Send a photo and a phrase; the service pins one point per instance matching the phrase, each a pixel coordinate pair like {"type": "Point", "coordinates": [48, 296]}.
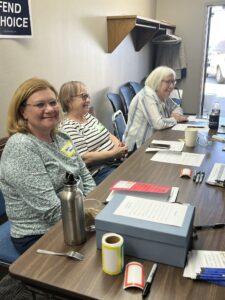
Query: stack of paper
{"type": "Point", "coordinates": [217, 175]}
{"type": "Point", "coordinates": [144, 190]}
{"type": "Point", "coordinates": [161, 145]}
{"type": "Point", "coordinates": [206, 265]}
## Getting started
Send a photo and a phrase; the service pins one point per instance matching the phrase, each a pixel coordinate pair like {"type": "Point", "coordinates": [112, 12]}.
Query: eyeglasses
{"type": "Point", "coordinates": [169, 82]}
{"type": "Point", "coordinates": [83, 96]}
{"type": "Point", "coordinates": [42, 105]}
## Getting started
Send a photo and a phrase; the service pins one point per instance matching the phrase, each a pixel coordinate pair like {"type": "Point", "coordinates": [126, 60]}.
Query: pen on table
{"type": "Point", "coordinates": [211, 277]}
{"type": "Point", "coordinates": [207, 270]}
{"type": "Point", "coordinates": [202, 175]}
{"type": "Point", "coordinates": [213, 226]}
{"type": "Point", "coordinates": [149, 281]}
{"type": "Point", "coordinates": [220, 182]}
{"type": "Point", "coordinates": [159, 145]}
{"type": "Point", "coordinates": [197, 177]}
{"type": "Point", "coordinates": [194, 177]}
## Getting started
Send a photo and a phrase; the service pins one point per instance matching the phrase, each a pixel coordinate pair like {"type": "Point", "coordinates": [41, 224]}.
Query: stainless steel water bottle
{"type": "Point", "coordinates": [72, 212]}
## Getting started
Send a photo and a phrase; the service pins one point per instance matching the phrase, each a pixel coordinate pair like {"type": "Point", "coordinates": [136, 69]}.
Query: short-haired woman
{"type": "Point", "coordinates": [100, 150]}
{"type": "Point", "coordinates": [152, 108]}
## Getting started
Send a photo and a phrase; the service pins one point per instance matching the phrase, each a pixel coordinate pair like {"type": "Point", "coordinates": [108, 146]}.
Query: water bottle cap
{"type": "Point", "coordinates": [70, 179]}
{"type": "Point", "coordinates": [216, 105]}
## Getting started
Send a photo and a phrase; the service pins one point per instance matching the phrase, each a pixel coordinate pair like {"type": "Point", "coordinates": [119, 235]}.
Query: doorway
{"type": "Point", "coordinates": [214, 68]}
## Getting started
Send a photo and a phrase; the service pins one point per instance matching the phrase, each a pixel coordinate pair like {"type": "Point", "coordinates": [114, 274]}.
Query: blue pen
{"type": "Point", "coordinates": [213, 270]}
{"type": "Point", "coordinates": [211, 276]}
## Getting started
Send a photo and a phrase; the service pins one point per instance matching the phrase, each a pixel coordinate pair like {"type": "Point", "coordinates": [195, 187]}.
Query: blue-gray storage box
{"type": "Point", "coordinates": [144, 239]}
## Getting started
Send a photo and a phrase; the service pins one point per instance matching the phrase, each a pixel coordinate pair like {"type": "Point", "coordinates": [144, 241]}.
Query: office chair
{"type": "Point", "coordinates": [8, 252]}
{"type": "Point", "coordinates": [119, 124]}
{"type": "Point", "coordinates": [176, 96]}
{"type": "Point", "coordinates": [116, 102]}
{"type": "Point", "coordinates": [136, 86]}
{"type": "Point", "coordinates": [127, 94]}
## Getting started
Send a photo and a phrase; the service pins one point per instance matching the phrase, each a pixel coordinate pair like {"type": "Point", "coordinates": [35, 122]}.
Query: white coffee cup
{"type": "Point", "coordinates": [190, 136]}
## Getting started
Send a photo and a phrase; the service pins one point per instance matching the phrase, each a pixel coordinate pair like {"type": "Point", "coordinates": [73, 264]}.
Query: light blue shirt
{"type": "Point", "coordinates": [148, 113]}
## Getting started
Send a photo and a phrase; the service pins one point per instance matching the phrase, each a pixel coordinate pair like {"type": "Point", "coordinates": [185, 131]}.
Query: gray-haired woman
{"type": "Point", "coordinates": [152, 108]}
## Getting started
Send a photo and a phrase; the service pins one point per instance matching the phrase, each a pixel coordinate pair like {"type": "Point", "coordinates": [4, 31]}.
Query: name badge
{"type": "Point", "coordinates": [99, 127]}
{"type": "Point", "coordinates": [68, 149]}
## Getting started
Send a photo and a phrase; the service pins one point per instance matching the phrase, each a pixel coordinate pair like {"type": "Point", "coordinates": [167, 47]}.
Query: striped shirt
{"type": "Point", "coordinates": [148, 113]}
{"type": "Point", "coordinates": [88, 137]}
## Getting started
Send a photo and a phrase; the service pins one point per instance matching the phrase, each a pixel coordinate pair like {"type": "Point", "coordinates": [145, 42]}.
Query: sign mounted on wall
{"type": "Point", "coordinates": [15, 19]}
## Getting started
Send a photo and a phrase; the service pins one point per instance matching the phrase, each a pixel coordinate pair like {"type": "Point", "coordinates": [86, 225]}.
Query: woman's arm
{"type": "Point", "coordinates": [24, 170]}
{"type": "Point", "coordinates": [101, 156]}
{"type": "Point", "coordinates": [154, 113]}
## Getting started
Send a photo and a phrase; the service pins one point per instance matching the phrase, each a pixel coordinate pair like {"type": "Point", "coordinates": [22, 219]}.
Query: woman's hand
{"type": "Point", "coordinates": [120, 150]}
{"type": "Point", "coordinates": [179, 118]}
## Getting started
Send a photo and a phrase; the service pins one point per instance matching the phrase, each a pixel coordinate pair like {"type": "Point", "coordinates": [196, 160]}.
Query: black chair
{"type": "Point", "coordinates": [127, 94]}
{"type": "Point", "coordinates": [119, 124]}
{"type": "Point", "coordinates": [136, 86]}
{"type": "Point", "coordinates": [116, 102]}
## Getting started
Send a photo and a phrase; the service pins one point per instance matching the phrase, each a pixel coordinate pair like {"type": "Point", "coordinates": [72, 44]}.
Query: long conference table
{"type": "Point", "coordinates": [85, 279]}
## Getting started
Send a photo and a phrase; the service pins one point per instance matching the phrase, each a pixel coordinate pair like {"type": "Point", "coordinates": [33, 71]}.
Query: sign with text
{"type": "Point", "coordinates": [15, 19]}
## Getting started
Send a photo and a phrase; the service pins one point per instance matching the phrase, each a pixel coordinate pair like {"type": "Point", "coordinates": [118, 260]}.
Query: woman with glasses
{"type": "Point", "coordinates": [100, 150]}
{"type": "Point", "coordinates": [34, 163]}
{"type": "Point", "coordinates": [152, 108]}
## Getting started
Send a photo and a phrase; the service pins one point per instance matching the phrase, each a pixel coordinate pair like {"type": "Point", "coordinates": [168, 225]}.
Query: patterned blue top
{"type": "Point", "coordinates": [32, 173]}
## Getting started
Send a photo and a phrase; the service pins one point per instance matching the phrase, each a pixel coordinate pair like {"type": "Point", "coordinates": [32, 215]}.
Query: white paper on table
{"type": "Point", "coordinates": [153, 211]}
{"type": "Point", "coordinates": [149, 196]}
{"type": "Point", "coordinates": [182, 127]}
{"type": "Point", "coordinates": [198, 259]}
{"type": "Point", "coordinates": [196, 119]}
{"type": "Point", "coordinates": [179, 158]}
{"type": "Point", "coordinates": [217, 173]}
{"type": "Point", "coordinates": [174, 146]}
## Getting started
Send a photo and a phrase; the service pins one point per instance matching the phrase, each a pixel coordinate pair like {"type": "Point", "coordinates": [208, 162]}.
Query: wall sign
{"type": "Point", "coordinates": [15, 19]}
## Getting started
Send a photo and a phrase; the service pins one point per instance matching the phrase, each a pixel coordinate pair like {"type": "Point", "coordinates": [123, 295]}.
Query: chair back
{"type": "Point", "coordinates": [176, 96]}
{"type": "Point", "coordinates": [117, 102]}
{"type": "Point", "coordinates": [2, 144]}
{"type": "Point", "coordinates": [127, 94]}
{"type": "Point", "coordinates": [2, 205]}
{"type": "Point", "coordinates": [119, 124]}
{"type": "Point", "coordinates": [136, 86]}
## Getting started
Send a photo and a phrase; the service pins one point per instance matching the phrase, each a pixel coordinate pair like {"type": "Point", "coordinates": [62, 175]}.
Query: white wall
{"type": "Point", "coordinates": [190, 19]}
{"type": "Point", "coordinates": [70, 43]}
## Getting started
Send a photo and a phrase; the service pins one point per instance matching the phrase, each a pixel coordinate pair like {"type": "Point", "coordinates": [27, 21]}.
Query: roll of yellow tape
{"type": "Point", "coordinates": [112, 253]}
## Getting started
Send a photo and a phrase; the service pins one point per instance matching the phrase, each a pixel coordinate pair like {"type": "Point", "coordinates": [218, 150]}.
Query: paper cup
{"type": "Point", "coordinates": [190, 135]}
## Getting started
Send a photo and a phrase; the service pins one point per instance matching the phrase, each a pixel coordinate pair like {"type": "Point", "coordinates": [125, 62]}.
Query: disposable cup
{"type": "Point", "coordinates": [190, 135]}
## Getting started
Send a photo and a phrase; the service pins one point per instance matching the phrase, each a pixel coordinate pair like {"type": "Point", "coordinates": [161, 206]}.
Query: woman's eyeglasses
{"type": "Point", "coordinates": [169, 82]}
{"type": "Point", "coordinates": [43, 105]}
{"type": "Point", "coordinates": [83, 96]}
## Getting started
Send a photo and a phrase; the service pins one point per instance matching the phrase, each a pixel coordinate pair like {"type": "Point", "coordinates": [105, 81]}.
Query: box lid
{"type": "Point", "coordinates": [107, 221]}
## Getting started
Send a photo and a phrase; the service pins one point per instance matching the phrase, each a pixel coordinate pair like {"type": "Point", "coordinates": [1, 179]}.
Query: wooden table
{"type": "Point", "coordinates": [86, 280]}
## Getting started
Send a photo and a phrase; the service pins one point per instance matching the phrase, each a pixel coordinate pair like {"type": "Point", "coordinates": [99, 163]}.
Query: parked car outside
{"type": "Point", "coordinates": [216, 62]}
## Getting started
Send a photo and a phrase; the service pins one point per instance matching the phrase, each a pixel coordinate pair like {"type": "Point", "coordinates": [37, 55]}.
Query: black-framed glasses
{"type": "Point", "coordinates": [83, 96]}
{"type": "Point", "coordinates": [169, 82]}
{"type": "Point", "coordinates": [42, 105]}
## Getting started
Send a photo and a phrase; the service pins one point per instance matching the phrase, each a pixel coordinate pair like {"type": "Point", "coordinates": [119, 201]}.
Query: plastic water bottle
{"type": "Point", "coordinates": [214, 116]}
{"type": "Point", "coordinates": [72, 212]}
